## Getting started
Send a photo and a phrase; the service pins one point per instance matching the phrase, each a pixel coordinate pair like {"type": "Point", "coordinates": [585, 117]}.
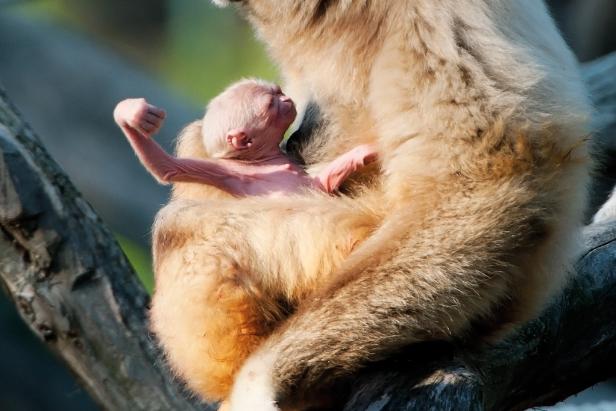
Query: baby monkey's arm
{"type": "Point", "coordinates": [334, 173]}
{"type": "Point", "coordinates": [139, 121]}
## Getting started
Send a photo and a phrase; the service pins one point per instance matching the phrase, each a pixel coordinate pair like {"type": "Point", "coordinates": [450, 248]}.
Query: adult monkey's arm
{"type": "Point", "coordinates": [74, 288]}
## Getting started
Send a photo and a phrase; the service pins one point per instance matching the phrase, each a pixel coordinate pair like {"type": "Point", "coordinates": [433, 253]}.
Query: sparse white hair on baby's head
{"type": "Point", "coordinates": [234, 108]}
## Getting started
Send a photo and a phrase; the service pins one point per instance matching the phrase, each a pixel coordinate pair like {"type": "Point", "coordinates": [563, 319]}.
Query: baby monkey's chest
{"type": "Point", "coordinates": [278, 183]}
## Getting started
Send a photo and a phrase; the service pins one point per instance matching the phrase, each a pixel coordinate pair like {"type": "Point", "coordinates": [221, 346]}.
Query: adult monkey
{"type": "Point", "coordinates": [481, 119]}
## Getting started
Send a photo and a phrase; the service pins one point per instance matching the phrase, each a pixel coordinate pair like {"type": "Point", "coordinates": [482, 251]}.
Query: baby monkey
{"type": "Point", "coordinates": [242, 131]}
{"type": "Point", "coordinates": [225, 279]}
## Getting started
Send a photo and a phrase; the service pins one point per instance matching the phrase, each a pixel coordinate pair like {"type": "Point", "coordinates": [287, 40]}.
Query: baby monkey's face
{"type": "Point", "coordinates": [274, 112]}
{"type": "Point", "coordinates": [257, 115]}
{"type": "Point", "coordinates": [278, 110]}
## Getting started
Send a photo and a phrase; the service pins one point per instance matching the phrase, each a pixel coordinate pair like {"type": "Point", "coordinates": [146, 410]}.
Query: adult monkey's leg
{"type": "Point", "coordinates": [411, 291]}
{"type": "Point", "coordinates": [227, 273]}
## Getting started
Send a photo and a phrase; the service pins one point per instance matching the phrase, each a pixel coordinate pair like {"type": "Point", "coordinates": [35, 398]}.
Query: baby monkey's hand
{"type": "Point", "coordinates": [139, 115]}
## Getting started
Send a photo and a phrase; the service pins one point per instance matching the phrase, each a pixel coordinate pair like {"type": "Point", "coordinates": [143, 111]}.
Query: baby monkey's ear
{"type": "Point", "coordinates": [238, 139]}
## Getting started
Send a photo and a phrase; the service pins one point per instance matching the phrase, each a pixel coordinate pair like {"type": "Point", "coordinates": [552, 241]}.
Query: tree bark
{"type": "Point", "coordinates": [71, 282]}
{"type": "Point", "coordinates": [75, 289]}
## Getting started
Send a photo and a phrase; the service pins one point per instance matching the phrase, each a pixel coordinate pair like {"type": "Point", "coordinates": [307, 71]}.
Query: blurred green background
{"type": "Point", "coordinates": [193, 46]}
{"type": "Point", "coordinates": [65, 63]}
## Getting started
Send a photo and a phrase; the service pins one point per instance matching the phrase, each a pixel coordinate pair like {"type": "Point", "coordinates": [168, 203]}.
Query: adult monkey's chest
{"type": "Point", "coordinates": [327, 131]}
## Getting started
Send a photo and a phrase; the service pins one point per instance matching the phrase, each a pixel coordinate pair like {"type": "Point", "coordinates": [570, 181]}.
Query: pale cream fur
{"type": "Point", "coordinates": [481, 119]}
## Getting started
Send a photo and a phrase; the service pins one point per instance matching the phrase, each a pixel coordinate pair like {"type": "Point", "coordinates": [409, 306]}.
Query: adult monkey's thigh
{"type": "Point", "coordinates": [204, 317]}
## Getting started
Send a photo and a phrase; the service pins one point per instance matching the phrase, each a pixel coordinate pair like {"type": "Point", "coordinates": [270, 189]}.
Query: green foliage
{"type": "Point", "coordinates": [207, 48]}
{"type": "Point", "coordinates": [140, 259]}
{"type": "Point", "coordinates": [198, 49]}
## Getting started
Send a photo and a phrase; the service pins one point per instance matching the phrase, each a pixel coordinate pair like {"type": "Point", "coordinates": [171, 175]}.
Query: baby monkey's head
{"type": "Point", "coordinates": [247, 120]}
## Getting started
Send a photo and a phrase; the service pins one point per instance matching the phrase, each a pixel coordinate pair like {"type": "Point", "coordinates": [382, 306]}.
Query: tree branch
{"type": "Point", "coordinates": [73, 286]}
{"type": "Point", "coordinates": [71, 282]}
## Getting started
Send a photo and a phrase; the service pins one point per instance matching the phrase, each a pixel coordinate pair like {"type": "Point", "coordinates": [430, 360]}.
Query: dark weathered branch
{"type": "Point", "coordinates": [74, 288]}
{"type": "Point", "coordinates": [72, 283]}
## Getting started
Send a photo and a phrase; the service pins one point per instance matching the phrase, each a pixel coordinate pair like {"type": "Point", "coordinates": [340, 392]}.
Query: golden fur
{"type": "Point", "coordinates": [220, 288]}
{"type": "Point", "coordinates": [481, 119]}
